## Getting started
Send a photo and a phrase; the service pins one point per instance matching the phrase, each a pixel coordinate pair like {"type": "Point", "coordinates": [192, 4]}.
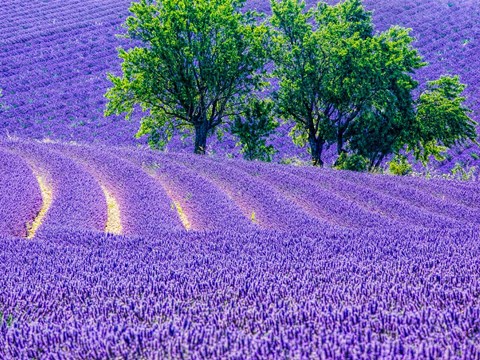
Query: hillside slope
{"type": "Point", "coordinates": [54, 56]}
{"type": "Point", "coordinates": [144, 193]}
{"type": "Point", "coordinates": [118, 253]}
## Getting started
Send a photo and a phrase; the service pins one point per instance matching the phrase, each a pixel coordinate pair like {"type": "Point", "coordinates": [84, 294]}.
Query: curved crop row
{"type": "Point", "coordinates": [204, 205]}
{"type": "Point", "coordinates": [316, 200]}
{"type": "Point", "coordinates": [144, 206]}
{"type": "Point", "coordinates": [77, 199]}
{"type": "Point", "coordinates": [459, 192]}
{"type": "Point", "coordinates": [421, 198]}
{"type": "Point", "coordinates": [259, 201]}
{"type": "Point", "coordinates": [20, 197]}
{"type": "Point", "coordinates": [386, 204]}
{"type": "Point", "coordinates": [144, 193]}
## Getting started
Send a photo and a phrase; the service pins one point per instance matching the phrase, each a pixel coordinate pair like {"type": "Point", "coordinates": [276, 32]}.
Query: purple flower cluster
{"type": "Point", "coordinates": [144, 206]}
{"type": "Point", "coordinates": [20, 198]}
{"type": "Point", "coordinates": [380, 293]}
{"type": "Point", "coordinates": [276, 261]}
{"type": "Point", "coordinates": [54, 56]}
{"type": "Point", "coordinates": [75, 193]}
{"type": "Point", "coordinates": [205, 205]}
{"type": "Point", "coordinates": [218, 259]}
{"type": "Point", "coordinates": [258, 200]}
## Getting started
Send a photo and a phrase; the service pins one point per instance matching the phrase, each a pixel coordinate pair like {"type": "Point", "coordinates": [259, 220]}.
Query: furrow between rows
{"type": "Point", "coordinates": [358, 191]}
{"type": "Point", "coordinates": [419, 198]}
{"type": "Point", "coordinates": [259, 201]}
{"type": "Point", "coordinates": [114, 218]}
{"type": "Point", "coordinates": [71, 196]}
{"type": "Point", "coordinates": [314, 199]}
{"type": "Point", "coordinates": [145, 208]}
{"type": "Point", "coordinates": [200, 204]}
{"type": "Point", "coordinates": [47, 198]}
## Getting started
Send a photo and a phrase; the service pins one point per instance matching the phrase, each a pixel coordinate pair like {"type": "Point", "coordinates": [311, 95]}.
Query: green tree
{"type": "Point", "coordinates": [253, 127]}
{"type": "Point", "coordinates": [196, 63]}
{"type": "Point", "coordinates": [442, 119]}
{"type": "Point", "coordinates": [335, 72]}
{"type": "Point", "coordinates": [299, 67]}
{"type": "Point", "coordinates": [380, 127]}
{"type": "Point", "coordinates": [353, 162]}
{"type": "Point", "coordinates": [427, 126]}
{"type": "Point", "coordinates": [400, 166]}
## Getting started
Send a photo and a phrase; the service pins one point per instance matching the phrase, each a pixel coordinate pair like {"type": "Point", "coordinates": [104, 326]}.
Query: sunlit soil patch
{"type": "Point", "coordinates": [114, 223]}
{"type": "Point", "coordinates": [247, 210]}
{"type": "Point", "coordinates": [175, 203]}
{"type": "Point", "coordinates": [47, 198]}
{"type": "Point", "coordinates": [181, 214]}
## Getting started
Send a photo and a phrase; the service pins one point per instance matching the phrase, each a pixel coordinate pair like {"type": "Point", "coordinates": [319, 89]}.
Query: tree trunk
{"type": "Point", "coordinates": [340, 142]}
{"type": "Point", "coordinates": [379, 161]}
{"type": "Point", "coordinates": [316, 149]}
{"type": "Point", "coordinates": [201, 131]}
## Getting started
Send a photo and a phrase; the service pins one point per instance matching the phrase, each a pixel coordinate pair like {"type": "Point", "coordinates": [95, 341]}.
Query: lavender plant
{"type": "Point", "coordinates": [373, 294]}
{"type": "Point", "coordinates": [279, 261]}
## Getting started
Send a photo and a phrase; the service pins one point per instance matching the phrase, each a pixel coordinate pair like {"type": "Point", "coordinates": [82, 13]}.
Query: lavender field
{"type": "Point", "coordinates": [109, 250]}
{"type": "Point", "coordinates": [121, 253]}
{"type": "Point", "coordinates": [54, 56]}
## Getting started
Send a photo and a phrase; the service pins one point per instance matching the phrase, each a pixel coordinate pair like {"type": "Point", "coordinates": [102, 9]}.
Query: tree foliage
{"type": "Point", "coordinates": [438, 120]}
{"type": "Point", "coordinates": [298, 66]}
{"type": "Point", "coordinates": [343, 84]}
{"type": "Point", "coordinates": [400, 166]}
{"type": "Point", "coordinates": [253, 127]}
{"type": "Point", "coordinates": [337, 72]}
{"type": "Point", "coordinates": [196, 62]}
{"type": "Point", "coordinates": [200, 63]}
{"type": "Point", "coordinates": [442, 118]}
{"type": "Point", "coordinates": [352, 162]}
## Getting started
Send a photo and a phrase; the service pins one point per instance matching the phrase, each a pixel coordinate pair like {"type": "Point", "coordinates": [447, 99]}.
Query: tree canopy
{"type": "Point", "coordinates": [196, 62]}
{"type": "Point", "coordinates": [338, 71]}
{"type": "Point", "coordinates": [201, 64]}
{"type": "Point", "coordinates": [253, 128]}
{"type": "Point", "coordinates": [442, 118]}
{"type": "Point", "coordinates": [434, 122]}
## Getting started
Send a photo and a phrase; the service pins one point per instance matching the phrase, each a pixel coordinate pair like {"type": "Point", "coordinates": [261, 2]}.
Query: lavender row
{"type": "Point", "coordinates": [216, 195]}
{"type": "Point", "coordinates": [206, 207]}
{"type": "Point", "coordinates": [390, 206]}
{"type": "Point", "coordinates": [144, 206]}
{"type": "Point", "coordinates": [459, 192]}
{"type": "Point", "coordinates": [317, 200]}
{"type": "Point", "coordinates": [363, 294]}
{"type": "Point", "coordinates": [356, 193]}
{"type": "Point", "coordinates": [418, 197]}
{"type": "Point", "coordinates": [20, 197]}
{"type": "Point", "coordinates": [69, 18]}
{"type": "Point", "coordinates": [259, 201]}
{"type": "Point", "coordinates": [77, 199]}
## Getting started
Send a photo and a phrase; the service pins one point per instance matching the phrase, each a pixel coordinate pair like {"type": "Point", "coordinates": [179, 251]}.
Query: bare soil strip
{"type": "Point", "coordinates": [175, 201]}
{"type": "Point", "coordinates": [114, 223]}
{"type": "Point", "coordinates": [46, 190]}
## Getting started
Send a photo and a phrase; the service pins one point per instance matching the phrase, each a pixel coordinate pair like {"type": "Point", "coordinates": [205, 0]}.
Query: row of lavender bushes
{"type": "Point", "coordinates": [332, 264]}
{"type": "Point", "coordinates": [152, 189]}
